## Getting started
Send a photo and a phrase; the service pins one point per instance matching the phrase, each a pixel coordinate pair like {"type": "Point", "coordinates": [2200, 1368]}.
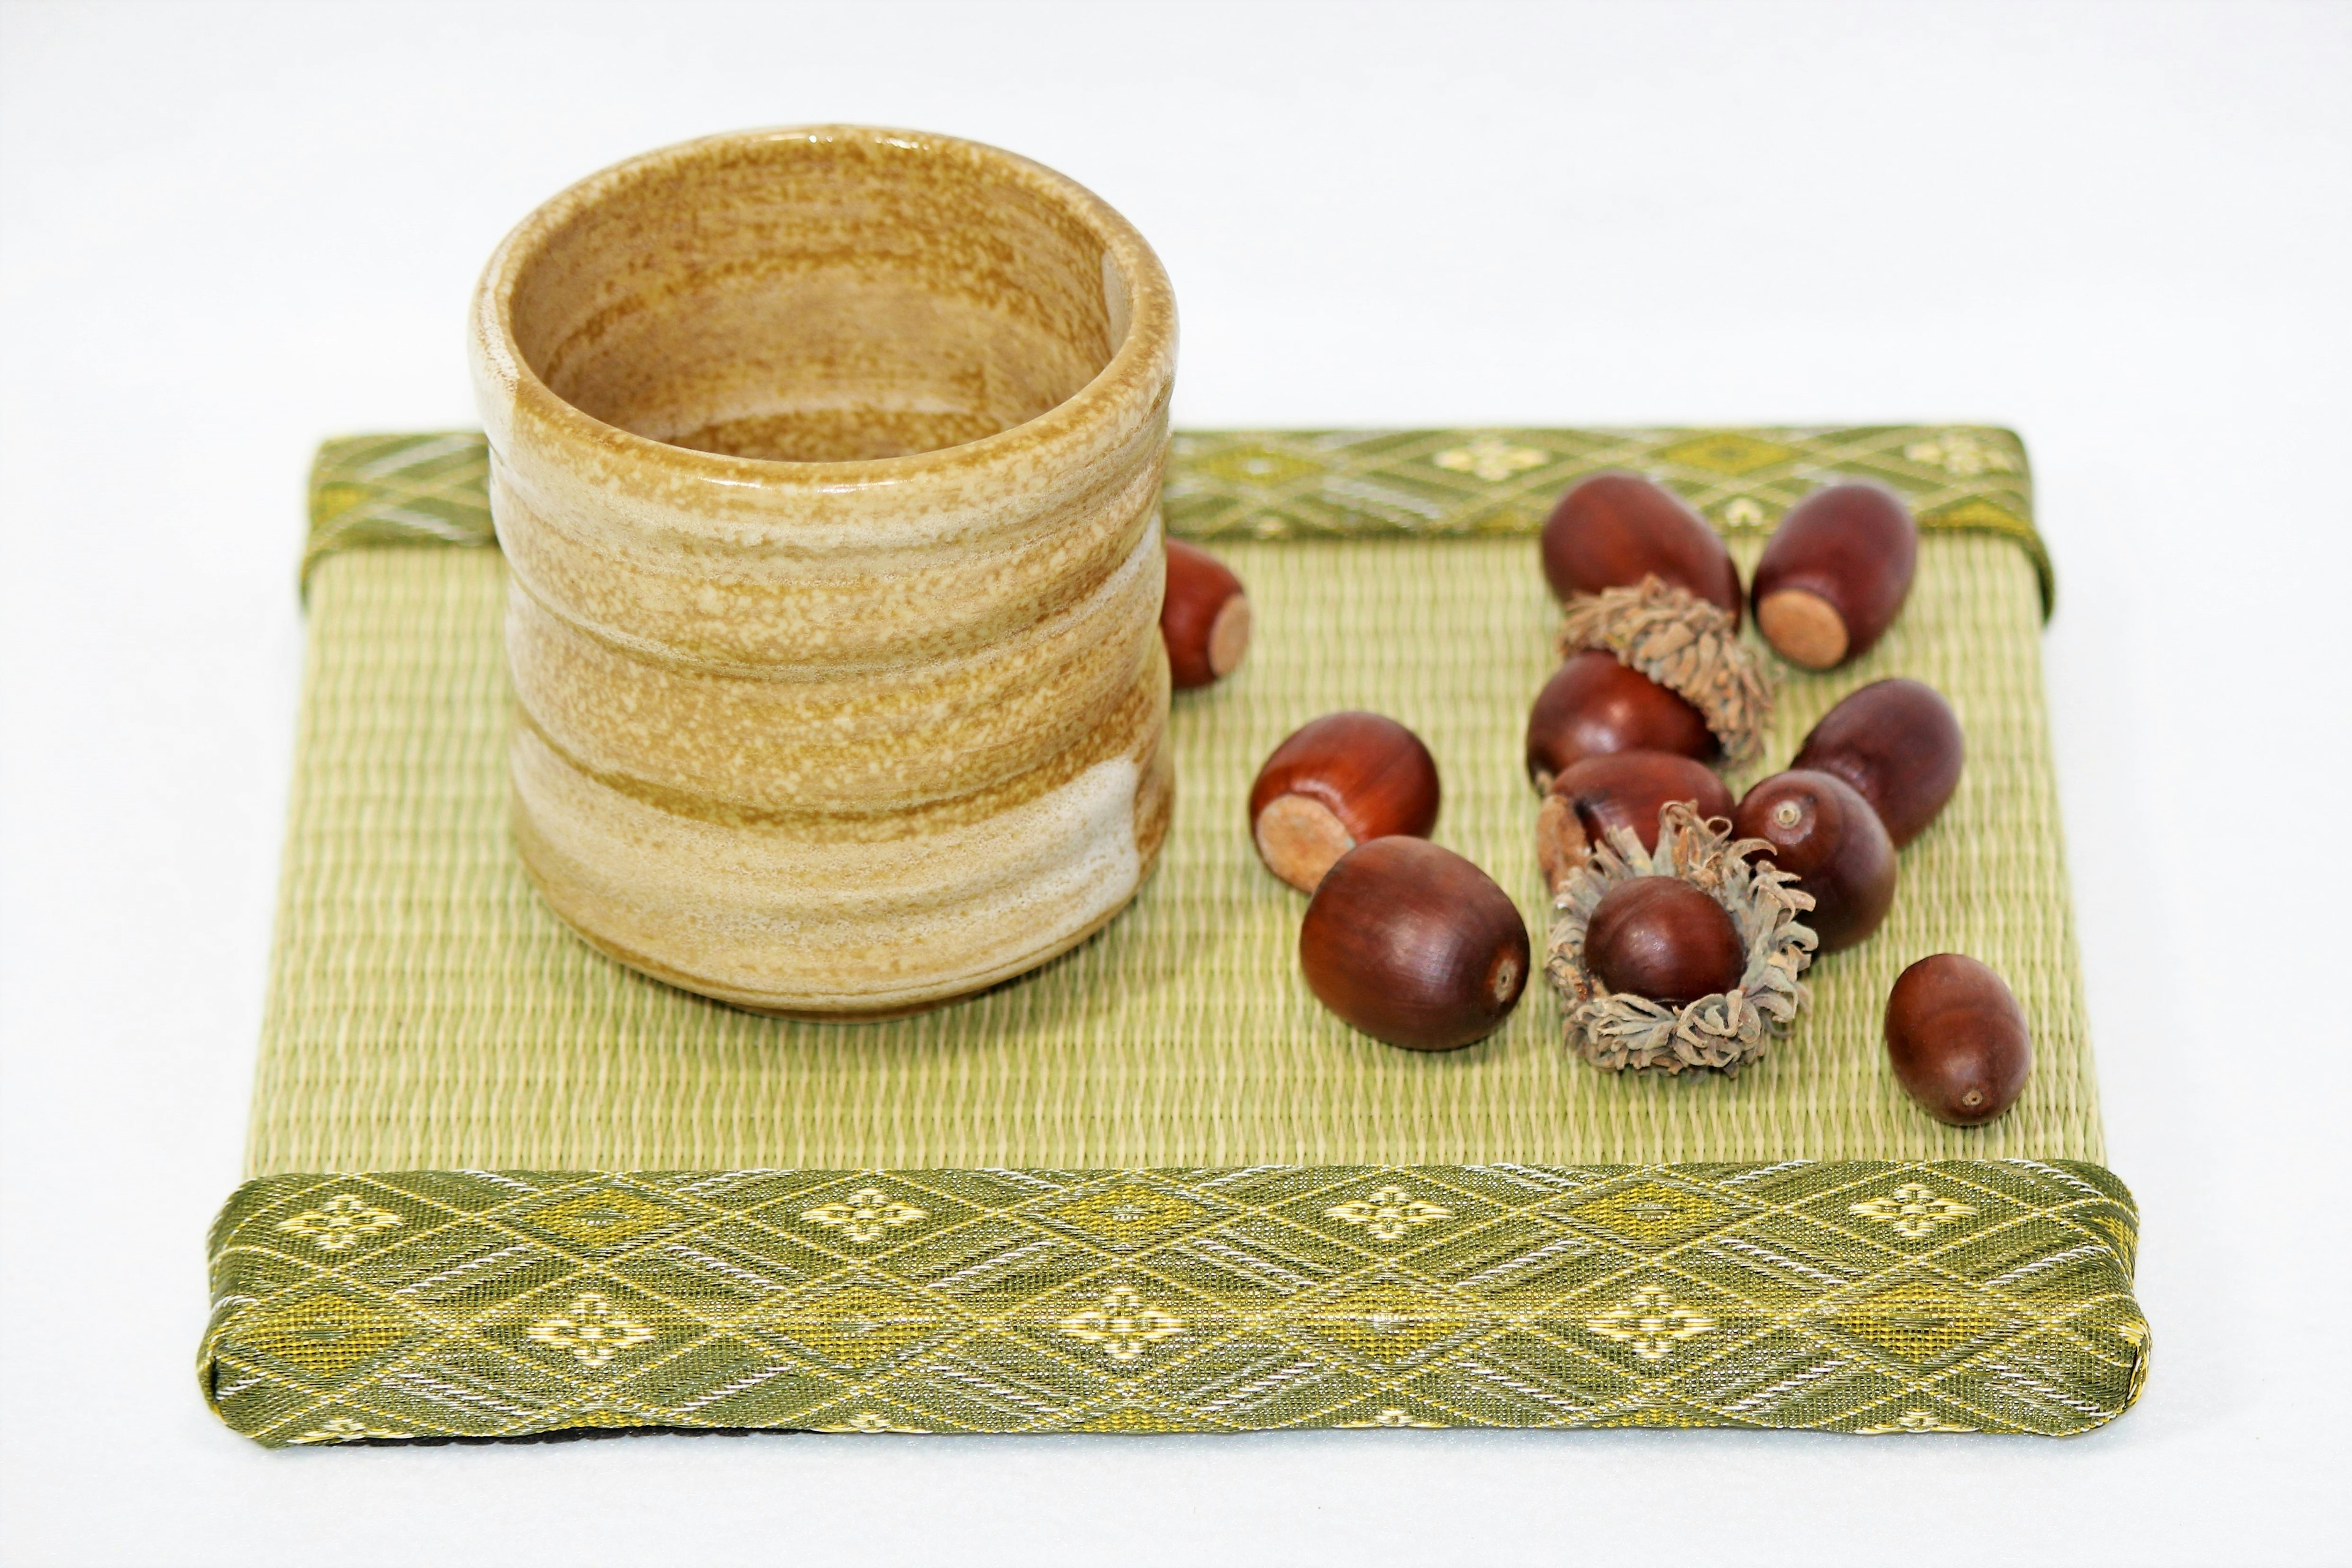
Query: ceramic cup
{"type": "Point", "coordinates": [826, 464]}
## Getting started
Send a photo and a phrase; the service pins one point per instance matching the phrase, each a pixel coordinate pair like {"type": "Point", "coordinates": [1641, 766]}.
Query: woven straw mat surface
{"type": "Point", "coordinates": [426, 1011]}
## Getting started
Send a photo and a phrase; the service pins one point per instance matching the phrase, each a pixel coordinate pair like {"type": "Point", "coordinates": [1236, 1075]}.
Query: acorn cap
{"type": "Point", "coordinates": [1728, 1030]}
{"type": "Point", "coordinates": [1685, 644]}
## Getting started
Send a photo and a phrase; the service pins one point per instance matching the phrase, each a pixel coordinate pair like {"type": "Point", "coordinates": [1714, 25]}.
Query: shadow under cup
{"type": "Point", "coordinates": [826, 464]}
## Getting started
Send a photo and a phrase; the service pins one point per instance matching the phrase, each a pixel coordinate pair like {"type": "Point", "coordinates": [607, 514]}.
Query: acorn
{"type": "Point", "coordinates": [1957, 1039]}
{"type": "Point", "coordinates": [1662, 937]}
{"type": "Point", "coordinates": [1594, 706]}
{"type": "Point", "coordinates": [1655, 985]}
{"type": "Point", "coordinates": [1619, 789]}
{"type": "Point", "coordinates": [1340, 781]}
{"type": "Point", "coordinates": [1824, 834]}
{"type": "Point", "coordinates": [1614, 529]}
{"type": "Point", "coordinates": [1834, 573]}
{"type": "Point", "coordinates": [1898, 744]}
{"type": "Point", "coordinates": [1204, 617]}
{"type": "Point", "coordinates": [1414, 946]}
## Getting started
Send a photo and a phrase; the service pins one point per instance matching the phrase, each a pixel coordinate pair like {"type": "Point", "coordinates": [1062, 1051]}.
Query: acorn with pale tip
{"type": "Point", "coordinates": [1621, 789]}
{"type": "Point", "coordinates": [1835, 574]}
{"type": "Point", "coordinates": [1204, 618]}
{"type": "Point", "coordinates": [1337, 781]}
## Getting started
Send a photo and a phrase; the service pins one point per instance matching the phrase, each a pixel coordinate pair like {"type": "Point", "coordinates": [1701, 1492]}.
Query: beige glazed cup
{"type": "Point", "coordinates": [826, 464]}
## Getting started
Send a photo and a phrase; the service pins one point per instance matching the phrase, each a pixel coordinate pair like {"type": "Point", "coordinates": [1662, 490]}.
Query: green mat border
{"type": "Point", "coordinates": [429, 487]}
{"type": "Point", "coordinates": [1865, 1297]}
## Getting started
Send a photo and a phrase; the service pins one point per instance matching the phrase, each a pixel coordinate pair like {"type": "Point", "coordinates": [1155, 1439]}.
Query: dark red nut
{"type": "Point", "coordinates": [1342, 779]}
{"type": "Point", "coordinates": [1620, 789]}
{"type": "Point", "coordinates": [1834, 573]}
{"type": "Point", "coordinates": [1614, 529]}
{"type": "Point", "coordinates": [1825, 835]}
{"type": "Point", "coordinates": [1957, 1039]}
{"type": "Point", "coordinates": [1898, 744]}
{"type": "Point", "coordinates": [1660, 937]}
{"type": "Point", "coordinates": [1205, 617]}
{"type": "Point", "coordinates": [1414, 946]}
{"type": "Point", "coordinates": [1593, 705]}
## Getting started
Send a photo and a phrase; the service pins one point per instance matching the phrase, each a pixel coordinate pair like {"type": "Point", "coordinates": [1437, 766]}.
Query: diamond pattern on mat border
{"type": "Point", "coordinates": [1853, 1295]}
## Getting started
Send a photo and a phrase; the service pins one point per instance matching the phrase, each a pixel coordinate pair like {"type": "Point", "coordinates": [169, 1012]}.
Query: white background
{"type": "Point", "coordinates": [2126, 230]}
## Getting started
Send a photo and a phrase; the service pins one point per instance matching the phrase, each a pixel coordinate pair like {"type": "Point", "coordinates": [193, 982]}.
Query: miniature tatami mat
{"type": "Point", "coordinates": [503, 1186]}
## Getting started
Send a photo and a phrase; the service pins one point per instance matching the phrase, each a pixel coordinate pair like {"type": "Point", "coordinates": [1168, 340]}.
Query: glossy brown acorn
{"type": "Point", "coordinates": [1614, 529]}
{"type": "Point", "coordinates": [1957, 1039]}
{"type": "Point", "coordinates": [1414, 946]}
{"type": "Point", "coordinates": [1338, 782]}
{"type": "Point", "coordinates": [1619, 789]}
{"type": "Point", "coordinates": [1660, 937]}
{"type": "Point", "coordinates": [1593, 705]}
{"type": "Point", "coordinates": [1826, 836]}
{"type": "Point", "coordinates": [1834, 573]}
{"type": "Point", "coordinates": [1898, 744]}
{"type": "Point", "coordinates": [1204, 617]}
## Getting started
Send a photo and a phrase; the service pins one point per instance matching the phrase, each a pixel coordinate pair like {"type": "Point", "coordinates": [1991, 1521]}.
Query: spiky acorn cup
{"type": "Point", "coordinates": [1728, 1030]}
{"type": "Point", "coordinates": [1686, 645]}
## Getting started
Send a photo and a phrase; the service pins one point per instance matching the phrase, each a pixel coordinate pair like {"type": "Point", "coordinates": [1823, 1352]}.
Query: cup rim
{"type": "Point", "coordinates": [1138, 372]}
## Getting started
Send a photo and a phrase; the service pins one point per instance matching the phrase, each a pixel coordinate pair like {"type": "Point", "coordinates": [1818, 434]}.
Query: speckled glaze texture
{"type": "Point", "coordinates": [826, 463]}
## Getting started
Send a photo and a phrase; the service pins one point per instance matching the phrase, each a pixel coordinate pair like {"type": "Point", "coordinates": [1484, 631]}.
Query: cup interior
{"type": "Point", "coordinates": [821, 297]}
